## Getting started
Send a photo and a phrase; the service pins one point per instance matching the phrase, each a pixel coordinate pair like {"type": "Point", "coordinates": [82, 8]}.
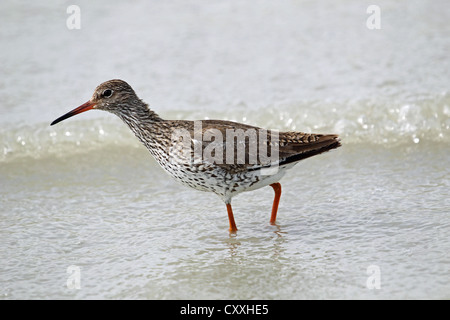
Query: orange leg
{"type": "Point", "coordinates": [231, 218]}
{"type": "Point", "coordinates": [276, 201]}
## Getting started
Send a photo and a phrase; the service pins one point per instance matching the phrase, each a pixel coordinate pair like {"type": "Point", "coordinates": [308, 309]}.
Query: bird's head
{"type": "Point", "coordinates": [114, 96]}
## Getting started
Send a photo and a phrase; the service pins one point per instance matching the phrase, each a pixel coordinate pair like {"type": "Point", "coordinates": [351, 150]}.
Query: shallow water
{"type": "Point", "coordinates": [85, 193]}
{"type": "Point", "coordinates": [135, 234]}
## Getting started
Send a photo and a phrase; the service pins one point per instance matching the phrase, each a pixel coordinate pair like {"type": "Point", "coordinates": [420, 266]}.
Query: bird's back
{"type": "Point", "coordinates": [227, 157]}
{"type": "Point", "coordinates": [238, 146]}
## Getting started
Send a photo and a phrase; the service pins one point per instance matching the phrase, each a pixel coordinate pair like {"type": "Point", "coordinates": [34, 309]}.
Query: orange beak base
{"type": "Point", "coordinates": [84, 107]}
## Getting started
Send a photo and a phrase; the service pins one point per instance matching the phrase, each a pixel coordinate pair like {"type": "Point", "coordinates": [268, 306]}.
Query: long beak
{"type": "Point", "coordinates": [84, 107]}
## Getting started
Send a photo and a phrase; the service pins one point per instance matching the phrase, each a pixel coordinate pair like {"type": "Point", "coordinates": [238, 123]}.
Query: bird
{"type": "Point", "coordinates": [219, 156]}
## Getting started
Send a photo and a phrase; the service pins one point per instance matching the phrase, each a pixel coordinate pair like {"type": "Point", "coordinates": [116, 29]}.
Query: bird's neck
{"type": "Point", "coordinates": [138, 113]}
{"type": "Point", "coordinates": [141, 120]}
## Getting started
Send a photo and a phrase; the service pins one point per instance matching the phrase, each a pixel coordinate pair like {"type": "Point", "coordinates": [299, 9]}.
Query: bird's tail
{"type": "Point", "coordinates": [317, 144]}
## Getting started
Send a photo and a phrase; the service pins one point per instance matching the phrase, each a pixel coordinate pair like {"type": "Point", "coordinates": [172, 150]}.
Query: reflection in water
{"type": "Point", "coordinates": [271, 243]}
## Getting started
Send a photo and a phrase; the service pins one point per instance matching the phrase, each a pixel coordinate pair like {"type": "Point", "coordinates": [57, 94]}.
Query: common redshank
{"type": "Point", "coordinates": [222, 157]}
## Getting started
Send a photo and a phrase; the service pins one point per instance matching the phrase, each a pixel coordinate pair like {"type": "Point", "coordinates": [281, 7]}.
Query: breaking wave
{"type": "Point", "coordinates": [420, 119]}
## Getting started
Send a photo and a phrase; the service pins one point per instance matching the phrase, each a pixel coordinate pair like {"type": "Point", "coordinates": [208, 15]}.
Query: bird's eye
{"type": "Point", "coordinates": [107, 93]}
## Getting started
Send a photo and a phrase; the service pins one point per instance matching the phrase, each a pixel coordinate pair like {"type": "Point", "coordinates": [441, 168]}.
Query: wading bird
{"type": "Point", "coordinates": [186, 150]}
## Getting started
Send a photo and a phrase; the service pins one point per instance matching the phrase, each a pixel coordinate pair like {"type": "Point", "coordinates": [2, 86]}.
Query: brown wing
{"type": "Point", "coordinates": [281, 147]}
{"type": "Point", "coordinates": [239, 147]}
